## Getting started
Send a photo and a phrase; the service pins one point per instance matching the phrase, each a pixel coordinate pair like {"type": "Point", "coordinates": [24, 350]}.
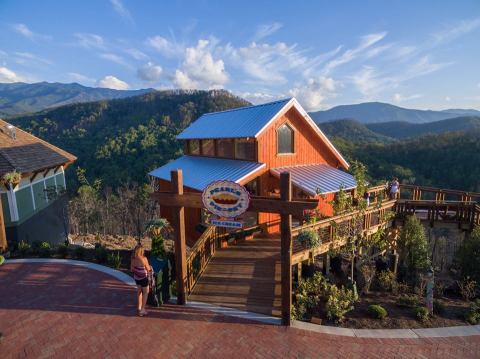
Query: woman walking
{"type": "Point", "coordinates": [140, 267]}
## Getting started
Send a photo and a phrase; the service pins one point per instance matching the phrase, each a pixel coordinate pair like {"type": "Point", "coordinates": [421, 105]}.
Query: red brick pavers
{"type": "Point", "coordinates": [61, 311]}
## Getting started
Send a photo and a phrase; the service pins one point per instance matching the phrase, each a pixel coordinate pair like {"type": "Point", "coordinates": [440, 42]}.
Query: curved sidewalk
{"type": "Point", "coordinates": [51, 310]}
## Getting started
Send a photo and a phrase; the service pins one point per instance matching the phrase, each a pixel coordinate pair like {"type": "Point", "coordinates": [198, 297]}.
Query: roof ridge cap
{"type": "Point", "coordinates": [247, 107]}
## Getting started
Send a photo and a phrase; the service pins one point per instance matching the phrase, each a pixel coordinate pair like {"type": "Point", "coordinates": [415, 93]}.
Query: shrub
{"type": "Point", "coordinates": [473, 314]}
{"type": "Point", "coordinates": [62, 250]}
{"type": "Point", "coordinates": [468, 255]}
{"type": "Point", "coordinates": [36, 247]}
{"type": "Point", "coordinates": [408, 301]}
{"type": "Point", "coordinates": [79, 252]}
{"type": "Point", "coordinates": [413, 245]}
{"type": "Point", "coordinates": [158, 246]}
{"type": "Point", "coordinates": [368, 273]}
{"type": "Point", "coordinates": [386, 280]}
{"type": "Point", "coordinates": [467, 287]}
{"type": "Point", "coordinates": [100, 253]}
{"type": "Point", "coordinates": [439, 288]}
{"type": "Point", "coordinates": [23, 248]}
{"type": "Point", "coordinates": [438, 307]}
{"type": "Point", "coordinates": [340, 302]}
{"type": "Point", "coordinates": [421, 313]}
{"type": "Point", "coordinates": [309, 238]}
{"type": "Point", "coordinates": [114, 260]}
{"type": "Point", "coordinates": [377, 311]}
{"type": "Point", "coordinates": [45, 250]}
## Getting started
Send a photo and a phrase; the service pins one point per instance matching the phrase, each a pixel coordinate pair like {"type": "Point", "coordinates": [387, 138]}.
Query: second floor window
{"type": "Point", "coordinates": [285, 139]}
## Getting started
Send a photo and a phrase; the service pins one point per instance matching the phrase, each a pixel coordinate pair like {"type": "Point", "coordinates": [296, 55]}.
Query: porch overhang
{"type": "Point", "coordinates": [199, 172]}
{"type": "Point", "coordinates": [318, 178]}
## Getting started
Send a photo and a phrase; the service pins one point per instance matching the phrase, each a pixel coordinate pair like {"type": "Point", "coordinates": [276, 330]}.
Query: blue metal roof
{"type": "Point", "coordinates": [316, 179]}
{"type": "Point", "coordinates": [236, 123]}
{"type": "Point", "coordinates": [198, 172]}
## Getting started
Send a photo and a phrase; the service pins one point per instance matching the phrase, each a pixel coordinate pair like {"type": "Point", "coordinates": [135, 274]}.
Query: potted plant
{"type": "Point", "coordinates": [11, 179]}
{"type": "Point", "coordinates": [309, 238]}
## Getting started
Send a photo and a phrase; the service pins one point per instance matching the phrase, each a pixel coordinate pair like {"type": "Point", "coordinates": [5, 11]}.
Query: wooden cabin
{"type": "Point", "coordinates": [31, 207]}
{"type": "Point", "coordinates": [252, 146]}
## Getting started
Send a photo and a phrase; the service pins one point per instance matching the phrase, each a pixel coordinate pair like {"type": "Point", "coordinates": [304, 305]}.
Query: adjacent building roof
{"type": "Point", "coordinates": [236, 123]}
{"type": "Point", "coordinates": [26, 153]}
{"type": "Point", "coordinates": [317, 179]}
{"type": "Point", "coordinates": [198, 172]}
{"type": "Point", "coordinates": [250, 121]}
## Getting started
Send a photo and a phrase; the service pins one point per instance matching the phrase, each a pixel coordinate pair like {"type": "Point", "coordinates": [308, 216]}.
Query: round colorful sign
{"type": "Point", "coordinates": [226, 199]}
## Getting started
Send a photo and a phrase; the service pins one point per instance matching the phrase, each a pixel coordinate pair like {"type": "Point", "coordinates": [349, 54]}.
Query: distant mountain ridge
{"type": "Point", "coordinates": [352, 130]}
{"type": "Point", "coordinates": [377, 112]}
{"type": "Point", "coordinates": [21, 98]}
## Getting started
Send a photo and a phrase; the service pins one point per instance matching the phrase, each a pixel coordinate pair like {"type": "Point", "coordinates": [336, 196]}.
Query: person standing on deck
{"type": "Point", "coordinates": [394, 187]}
{"type": "Point", "coordinates": [140, 267]}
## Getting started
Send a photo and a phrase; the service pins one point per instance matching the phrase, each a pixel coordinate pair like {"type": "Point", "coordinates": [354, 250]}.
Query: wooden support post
{"type": "Point", "coordinates": [326, 263]}
{"type": "Point", "coordinates": [286, 249]}
{"type": "Point", "coordinates": [180, 245]}
{"type": "Point", "coordinates": [3, 236]}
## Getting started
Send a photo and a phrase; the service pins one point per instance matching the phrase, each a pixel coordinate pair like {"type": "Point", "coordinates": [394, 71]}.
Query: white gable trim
{"type": "Point", "coordinates": [293, 102]}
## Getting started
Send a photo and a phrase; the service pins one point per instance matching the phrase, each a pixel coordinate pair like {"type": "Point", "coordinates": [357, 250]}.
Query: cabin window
{"type": "Point", "coordinates": [194, 147]}
{"type": "Point", "coordinates": [225, 148]}
{"type": "Point", "coordinates": [285, 139]}
{"type": "Point", "coordinates": [208, 147]}
{"type": "Point", "coordinates": [245, 149]}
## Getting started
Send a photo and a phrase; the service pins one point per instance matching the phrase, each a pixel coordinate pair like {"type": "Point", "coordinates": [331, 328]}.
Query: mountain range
{"type": "Point", "coordinates": [376, 112]}
{"type": "Point", "coordinates": [20, 98]}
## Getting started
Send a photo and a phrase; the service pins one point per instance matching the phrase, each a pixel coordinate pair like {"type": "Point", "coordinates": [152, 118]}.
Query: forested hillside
{"type": "Point", "coordinates": [20, 98]}
{"type": "Point", "coordinates": [352, 130]}
{"type": "Point", "coordinates": [119, 141]}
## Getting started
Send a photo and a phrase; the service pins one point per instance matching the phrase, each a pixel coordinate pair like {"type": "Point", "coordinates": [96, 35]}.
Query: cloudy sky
{"type": "Point", "coordinates": [419, 54]}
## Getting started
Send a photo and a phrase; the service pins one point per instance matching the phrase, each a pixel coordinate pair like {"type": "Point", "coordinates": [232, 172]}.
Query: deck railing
{"type": "Point", "coordinates": [372, 219]}
{"type": "Point", "coordinates": [199, 256]}
{"type": "Point", "coordinates": [420, 193]}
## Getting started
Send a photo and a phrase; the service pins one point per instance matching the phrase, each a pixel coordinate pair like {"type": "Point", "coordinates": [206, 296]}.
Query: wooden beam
{"type": "Point", "coordinates": [35, 174]}
{"type": "Point", "coordinates": [286, 248]}
{"type": "Point", "coordinates": [3, 236]}
{"type": "Point", "coordinates": [257, 204]}
{"type": "Point", "coordinates": [179, 231]}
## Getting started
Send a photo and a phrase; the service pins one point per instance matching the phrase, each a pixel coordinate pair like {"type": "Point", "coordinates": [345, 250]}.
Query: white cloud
{"type": "Point", "coordinates": [136, 54]}
{"type": "Point", "coordinates": [349, 55]}
{"type": "Point", "coordinates": [23, 30]}
{"type": "Point", "coordinates": [112, 82]}
{"type": "Point", "coordinates": [401, 98]}
{"type": "Point", "coordinates": [26, 57]}
{"type": "Point", "coordinates": [115, 59]}
{"type": "Point", "coordinates": [200, 70]}
{"type": "Point", "coordinates": [314, 92]}
{"type": "Point", "coordinates": [76, 77]}
{"type": "Point", "coordinates": [258, 97]}
{"type": "Point", "coordinates": [448, 98]}
{"type": "Point", "coordinates": [456, 30]}
{"type": "Point", "coordinates": [370, 83]}
{"type": "Point", "coordinates": [121, 10]}
{"type": "Point", "coordinates": [423, 67]}
{"type": "Point", "coordinates": [265, 30]}
{"type": "Point", "coordinates": [90, 41]}
{"type": "Point", "coordinates": [150, 72]}
{"type": "Point", "coordinates": [265, 62]}
{"type": "Point", "coordinates": [7, 75]}
{"type": "Point", "coordinates": [165, 47]}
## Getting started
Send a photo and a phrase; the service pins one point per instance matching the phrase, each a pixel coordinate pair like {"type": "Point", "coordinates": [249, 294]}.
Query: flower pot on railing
{"type": "Point", "coordinates": [309, 238]}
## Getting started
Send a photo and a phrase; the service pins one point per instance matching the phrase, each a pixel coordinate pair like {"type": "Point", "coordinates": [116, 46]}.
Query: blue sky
{"type": "Point", "coordinates": [418, 54]}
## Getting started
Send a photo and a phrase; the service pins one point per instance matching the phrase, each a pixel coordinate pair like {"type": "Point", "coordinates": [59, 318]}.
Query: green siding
{"type": "Point", "coordinates": [24, 203]}
{"type": "Point", "coordinates": [39, 194]}
{"type": "Point", "coordinates": [60, 180]}
{"type": "Point", "coordinates": [6, 209]}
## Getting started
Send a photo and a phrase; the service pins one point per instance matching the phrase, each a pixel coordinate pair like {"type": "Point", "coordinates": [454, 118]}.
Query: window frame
{"type": "Point", "coordinates": [292, 128]}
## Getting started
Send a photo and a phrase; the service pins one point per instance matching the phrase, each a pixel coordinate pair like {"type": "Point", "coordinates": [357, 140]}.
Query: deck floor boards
{"type": "Point", "coordinates": [245, 276]}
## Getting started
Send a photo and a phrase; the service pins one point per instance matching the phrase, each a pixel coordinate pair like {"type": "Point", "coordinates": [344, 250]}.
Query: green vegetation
{"type": "Point", "coordinates": [62, 250]}
{"type": "Point", "coordinates": [473, 314]}
{"type": "Point", "coordinates": [386, 280]}
{"type": "Point", "coordinates": [377, 311]}
{"type": "Point", "coordinates": [407, 300]}
{"type": "Point", "coordinates": [45, 250]}
{"type": "Point", "coordinates": [120, 141]}
{"type": "Point", "coordinates": [469, 256]}
{"type": "Point", "coordinates": [421, 313]}
{"type": "Point", "coordinates": [309, 238]}
{"type": "Point", "coordinates": [114, 260]}
{"type": "Point", "coordinates": [413, 246]}
{"type": "Point", "coordinates": [101, 253]}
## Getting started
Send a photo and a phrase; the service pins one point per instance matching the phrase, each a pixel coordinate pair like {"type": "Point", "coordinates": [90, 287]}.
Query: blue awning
{"type": "Point", "coordinates": [317, 179]}
{"type": "Point", "coordinates": [199, 172]}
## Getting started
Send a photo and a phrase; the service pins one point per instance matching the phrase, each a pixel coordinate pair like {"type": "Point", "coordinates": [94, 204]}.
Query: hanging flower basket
{"type": "Point", "coordinates": [11, 179]}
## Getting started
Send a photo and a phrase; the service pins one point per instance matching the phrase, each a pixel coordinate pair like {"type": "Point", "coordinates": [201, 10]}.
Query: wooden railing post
{"type": "Point", "coordinates": [180, 245]}
{"type": "Point", "coordinates": [286, 249]}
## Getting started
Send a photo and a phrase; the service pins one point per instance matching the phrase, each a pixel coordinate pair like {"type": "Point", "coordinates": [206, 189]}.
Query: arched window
{"type": "Point", "coordinates": [285, 139]}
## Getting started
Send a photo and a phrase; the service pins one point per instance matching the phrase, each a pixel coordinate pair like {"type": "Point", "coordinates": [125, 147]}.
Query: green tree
{"type": "Point", "coordinates": [413, 245]}
{"type": "Point", "coordinates": [468, 256]}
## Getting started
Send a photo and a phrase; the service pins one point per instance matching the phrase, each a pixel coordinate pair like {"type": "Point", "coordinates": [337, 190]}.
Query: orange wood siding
{"type": "Point", "coordinates": [192, 215]}
{"type": "Point", "coordinates": [309, 149]}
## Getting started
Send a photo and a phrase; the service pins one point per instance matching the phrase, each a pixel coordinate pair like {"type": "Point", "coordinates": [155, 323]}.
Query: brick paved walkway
{"type": "Point", "coordinates": [61, 311]}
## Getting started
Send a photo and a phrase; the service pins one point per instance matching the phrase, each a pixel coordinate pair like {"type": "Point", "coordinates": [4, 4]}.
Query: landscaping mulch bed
{"type": "Point", "coordinates": [402, 317]}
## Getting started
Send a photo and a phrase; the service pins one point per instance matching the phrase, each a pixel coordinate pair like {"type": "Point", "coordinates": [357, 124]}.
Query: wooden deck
{"type": "Point", "coordinates": [245, 276]}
